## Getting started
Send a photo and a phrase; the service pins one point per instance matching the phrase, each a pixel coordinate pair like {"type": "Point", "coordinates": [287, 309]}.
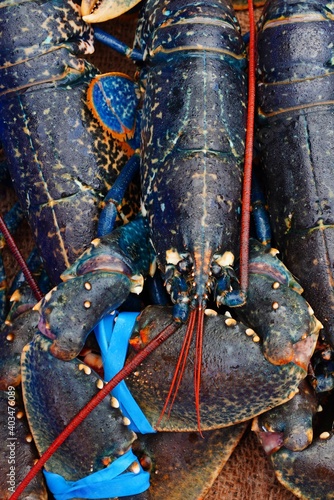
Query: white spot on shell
{"type": "Point", "coordinates": [210, 312]}
{"type": "Point", "coordinates": [99, 384]}
{"type": "Point", "coordinates": [114, 402]}
{"type": "Point", "coordinates": [227, 259]}
{"type": "Point", "coordinates": [173, 257]}
{"type": "Point", "coordinates": [230, 322]}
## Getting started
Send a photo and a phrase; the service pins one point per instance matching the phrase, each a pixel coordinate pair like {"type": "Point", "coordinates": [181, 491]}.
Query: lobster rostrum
{"type": "Point", "coordinates": [295, 127]}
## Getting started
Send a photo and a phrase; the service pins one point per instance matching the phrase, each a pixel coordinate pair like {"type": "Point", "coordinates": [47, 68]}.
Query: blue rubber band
{"type": "Point", "coordinates": [109, 482]}
{"type": "Point", "coordinates": [113, 337]}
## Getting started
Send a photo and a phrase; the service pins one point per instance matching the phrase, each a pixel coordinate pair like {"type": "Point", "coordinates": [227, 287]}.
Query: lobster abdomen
{"type": "Point", "coordinates": [296, 120]}
{"type": "Point", "coordinates": [60, 161]}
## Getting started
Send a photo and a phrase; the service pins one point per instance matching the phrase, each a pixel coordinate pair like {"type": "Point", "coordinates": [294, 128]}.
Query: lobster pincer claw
{"type": "Point", "coordinates": [303, 465]}
{"type": "Point", "coordinates": [66, 312]}
{"type": "Point", "coordinates": [94, 11]}
{"type": "Point", "coordinates": [290, 424]}
{"type": "Point", "coordinates": [99, 442]}
{"type": "Point", "coordinates": [99, 282]}
{"type": "Point", "coordinates": [276, 310]}
{"type": "Point", "coordinates": [308, 474]}
{"type": "Point", "coordinates": [225, 398]}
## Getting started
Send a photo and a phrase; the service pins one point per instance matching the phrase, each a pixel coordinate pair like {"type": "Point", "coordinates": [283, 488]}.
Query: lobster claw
{"type": "Point", "coordinates": [288, 425]}
{"type": "Point", "coordinates": [48, 412]}
{"type": "Point", "coordinates": [98, 283]}
{"type": "Point", "coordinates": [58, 309]}
{"type": "Point", "coordinates": [277, 311]}
{"type": "Point", "coordinates": [298, 473]}
{"type": "Point", "coordinates": [231, 356]}
{"type": "Point", "coordinates": [96, 12]}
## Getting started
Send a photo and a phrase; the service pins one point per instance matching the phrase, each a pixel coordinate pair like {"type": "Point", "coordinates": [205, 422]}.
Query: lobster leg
{"type": "Point", "coordinates": [12, 220]}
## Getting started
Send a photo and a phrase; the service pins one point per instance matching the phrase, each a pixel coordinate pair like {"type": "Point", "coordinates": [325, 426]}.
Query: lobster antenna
{"type": "Point", "coordinates": [89, 407]}
{"type": "Point", "coordinates": [181, 364]}
{"type": "Point", "coordinates": [20, 260]}
{"type": "Point", "coordinates": [247, 183]}
{"type": "Point", "coordinates": [198, 364]}
{"type": "Point", "coordinates": [180, 367]}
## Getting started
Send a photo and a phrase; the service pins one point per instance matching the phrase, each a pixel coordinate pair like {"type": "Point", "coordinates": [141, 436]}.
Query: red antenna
{"type": "Point", "coordinates": [247, 184]}
{"type": "Point", "coordinates": [20, 260]}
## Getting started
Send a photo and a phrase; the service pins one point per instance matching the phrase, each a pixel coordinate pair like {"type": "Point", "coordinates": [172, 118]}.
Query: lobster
{"type": "Point", "coordinates": [43, 83]}
{"type": "Point", "coordinates": [294, 91]}
{"type": "Point", "coordinates": [130, 249]}
{"type": "Point", "coordinates": [194, 258]}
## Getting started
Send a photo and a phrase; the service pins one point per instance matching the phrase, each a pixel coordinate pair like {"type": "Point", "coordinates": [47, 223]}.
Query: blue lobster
{"type": "Point", "coordinates": [294, 136]}
{"type": "Point", "coordinates": [195, 258]}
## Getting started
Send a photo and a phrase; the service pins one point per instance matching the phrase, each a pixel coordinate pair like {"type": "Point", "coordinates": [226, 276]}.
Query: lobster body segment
{"type": "Point", "coordinates": [296, 120]}
{"type": "Point", "coordinates": [193, 131]}
{"type": "Point", "coordinates": [61, 162]}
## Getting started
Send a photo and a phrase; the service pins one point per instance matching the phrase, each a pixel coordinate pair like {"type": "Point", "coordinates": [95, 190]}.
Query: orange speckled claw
{"type": "Point", "coordinates": [94, 11]}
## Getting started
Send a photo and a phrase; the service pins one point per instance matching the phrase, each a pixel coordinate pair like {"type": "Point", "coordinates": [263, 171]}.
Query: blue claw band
{"type": "Point", "coordinates": [110, 482]}
{"type": "Point", "coordinates": [113, 337]}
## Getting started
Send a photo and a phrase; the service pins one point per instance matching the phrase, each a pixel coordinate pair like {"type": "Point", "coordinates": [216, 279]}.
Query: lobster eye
{"type": "Point", "coordinates": [216, 269]}
{"type": "Point", "coordinates": [184, 266]}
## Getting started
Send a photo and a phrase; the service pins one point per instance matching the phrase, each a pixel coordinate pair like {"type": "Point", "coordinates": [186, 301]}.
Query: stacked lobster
{"type": "Point", "coordinates": [190, 107]}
